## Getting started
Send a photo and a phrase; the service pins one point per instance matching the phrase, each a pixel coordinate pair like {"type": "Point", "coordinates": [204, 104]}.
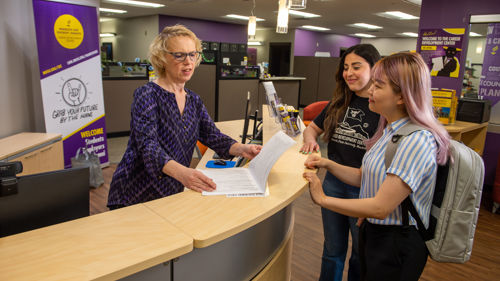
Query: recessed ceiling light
{"type": "Point", "coordinates": [397, 15]}
{"type": "Point", "coordinates": [364, 35]}
{"type": "Point", "coordinates": [108, 34]}
{"type": "Point", "coordinates": [312, 27]}
{"type": "Point", "coordinates": [239, 17]}
{"type": "Point", "coordinates": [473, 34]}
{"type": "Point", "coordinates": [415, 2]}
{"type": "Point", "coordinates": [137, 3]}
{"type": "Point", "coordinates": [303, 14]}
{"type": "Point", "coordinates": [114, 11]}
{"type": "Point", "coordinates": [254, 43]}
{"type": "Point", "coordinates": [409, 34]}
{"type": "Point", "coordinates": [103, 19]}
{"type": "Point", "coordinates": [367, 26]}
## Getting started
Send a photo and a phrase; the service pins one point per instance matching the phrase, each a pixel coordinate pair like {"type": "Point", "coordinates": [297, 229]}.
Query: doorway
{"type": "Point", "coordinates": [279, 59]}
{"type": "Point", "coordinates": [107, 51]}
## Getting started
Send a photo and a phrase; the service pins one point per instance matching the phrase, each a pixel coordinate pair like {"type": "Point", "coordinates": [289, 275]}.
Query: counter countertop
{"type": "Point", "coordinates": [210, 219]}
{"type": "Point", "coordinates": [106, 246]}
{"type": "Point", "coordinates": [461, 126]}
{"type": "Point", "coordinates": [24, 141]}
{"type": "Point", "coordinates": [118, 243]}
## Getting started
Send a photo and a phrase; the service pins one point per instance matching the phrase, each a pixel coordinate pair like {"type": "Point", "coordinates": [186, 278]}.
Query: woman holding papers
{"type": "Point", "coordinates": [167, 120]}
{"type": "Point", "coordinates": [400, 93]}
{"type": "Point", "coordinates": [346, 123]}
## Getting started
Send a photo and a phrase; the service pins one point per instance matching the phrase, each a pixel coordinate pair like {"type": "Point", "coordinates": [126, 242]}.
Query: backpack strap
{"type": "Point", "coordinates": [406, 130]}
{"type": "Point", "coordinates": [406, 206]}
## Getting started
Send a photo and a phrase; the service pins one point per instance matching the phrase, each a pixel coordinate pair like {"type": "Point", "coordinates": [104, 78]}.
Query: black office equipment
{"type": "Point", "coordinates": [45, 199]}
{"type": "Point", "coordinates": [8, 179]}
{"type": "Point", "coordinates": [247, 120]}
{"type": "Point", "coordinates": [473, 110]}
{"type": "Point", "coordinates": [239, 161]}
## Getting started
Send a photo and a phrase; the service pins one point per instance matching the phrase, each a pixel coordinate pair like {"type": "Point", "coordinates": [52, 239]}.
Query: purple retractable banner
{"type": "Point", "coordinates": [70, 76]}
{"type": "Point", "coordinates": [489, 85]}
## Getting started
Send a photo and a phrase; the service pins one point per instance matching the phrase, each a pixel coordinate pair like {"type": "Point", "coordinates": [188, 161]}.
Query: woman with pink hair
{"type": "Point", "coordinates": [390, 250]}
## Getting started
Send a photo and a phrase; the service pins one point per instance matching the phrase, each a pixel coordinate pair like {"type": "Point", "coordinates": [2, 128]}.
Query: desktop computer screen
{"type": "Point", "coordinates": [45, 199]}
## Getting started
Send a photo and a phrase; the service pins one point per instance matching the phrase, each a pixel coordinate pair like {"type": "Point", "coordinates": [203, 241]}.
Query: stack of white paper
{"type": "Point", "coordinates": [249, 181]}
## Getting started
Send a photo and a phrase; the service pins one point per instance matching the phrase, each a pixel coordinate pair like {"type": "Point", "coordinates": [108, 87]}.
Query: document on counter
{"type": "Point", "coordinates": [251, 181]}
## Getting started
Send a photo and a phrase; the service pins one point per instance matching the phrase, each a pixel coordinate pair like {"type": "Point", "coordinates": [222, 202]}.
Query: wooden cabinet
{"type": "Point", "coordinates": [39, 152]}
{"type": "Point", "coordinates": [471, 134]}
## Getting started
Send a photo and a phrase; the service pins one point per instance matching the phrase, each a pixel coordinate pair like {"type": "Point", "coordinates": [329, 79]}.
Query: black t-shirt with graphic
{"type": "Point", "coordinates": [347, 145]}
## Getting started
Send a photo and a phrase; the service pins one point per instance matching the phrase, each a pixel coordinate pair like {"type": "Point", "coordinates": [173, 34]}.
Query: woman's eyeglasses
{"type": "Point", "coordinates": [181, 56]}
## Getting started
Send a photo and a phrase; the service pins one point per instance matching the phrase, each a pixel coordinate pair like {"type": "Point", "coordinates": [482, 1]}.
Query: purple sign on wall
{"type": "Point", "coordinates": [441, 49]}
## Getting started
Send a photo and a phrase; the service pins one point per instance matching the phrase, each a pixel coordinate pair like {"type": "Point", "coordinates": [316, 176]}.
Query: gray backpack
{"type": "Point", "coordinates": [455, 204]}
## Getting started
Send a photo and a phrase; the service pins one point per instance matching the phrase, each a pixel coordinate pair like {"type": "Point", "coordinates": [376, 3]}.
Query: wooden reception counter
{"type": "Point", "coordinates": [205, 237]}
{"type": "Point", "coordinates": [107, 246]}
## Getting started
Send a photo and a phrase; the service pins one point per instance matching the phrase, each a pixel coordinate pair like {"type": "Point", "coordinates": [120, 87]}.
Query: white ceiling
{"type": "Point", "coordinates": [335, 14]}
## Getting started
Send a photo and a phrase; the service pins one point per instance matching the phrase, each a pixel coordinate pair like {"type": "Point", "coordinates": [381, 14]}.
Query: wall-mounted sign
{"type": "Point", "coordinates": [441, 50]}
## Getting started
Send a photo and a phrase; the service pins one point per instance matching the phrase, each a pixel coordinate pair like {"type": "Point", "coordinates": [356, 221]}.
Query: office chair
{"type": "Point", "coordinates": [313, 110]}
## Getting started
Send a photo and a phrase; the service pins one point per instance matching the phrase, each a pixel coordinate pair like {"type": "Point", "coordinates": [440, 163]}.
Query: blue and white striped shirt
{"type": "Point", "coordinates": [414, 162]}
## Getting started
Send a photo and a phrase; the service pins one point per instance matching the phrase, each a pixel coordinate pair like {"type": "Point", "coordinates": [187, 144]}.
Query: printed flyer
{"type": "Point", "coordinates": [70, 76]}
{"type": "Point", "coordinates": [441, 50]}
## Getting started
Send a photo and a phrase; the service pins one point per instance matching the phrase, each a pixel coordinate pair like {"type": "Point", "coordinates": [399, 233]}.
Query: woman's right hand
{"type": "Point", "coordinates": [309, 147]}
{"type": "Point", "coordinates": [315, 161]}
{"type": "Point", "coordinates": [196, 180]}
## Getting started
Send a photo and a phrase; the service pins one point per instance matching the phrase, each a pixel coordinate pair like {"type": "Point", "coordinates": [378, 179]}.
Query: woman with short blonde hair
{"type": "Point", "coordinates": [167, 121]}
{"type": "Point", "coordinates": [159, 46]}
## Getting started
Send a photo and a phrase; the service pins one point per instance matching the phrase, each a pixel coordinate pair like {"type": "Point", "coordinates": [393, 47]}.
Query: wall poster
{"type": "Point", "coordinates": [441, 50]}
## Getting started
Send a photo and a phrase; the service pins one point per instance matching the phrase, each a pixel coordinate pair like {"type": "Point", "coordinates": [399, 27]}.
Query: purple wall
{"type": "Point", "coordinates": [305, 43]}
{"type": "Point", "coordinates": [208, 30]}
{"type": "Point", "coordinates": [456, 14]}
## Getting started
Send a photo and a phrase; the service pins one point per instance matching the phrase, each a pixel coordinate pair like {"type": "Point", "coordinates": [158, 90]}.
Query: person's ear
{"type": "Point", "coordinates": [399, 99]}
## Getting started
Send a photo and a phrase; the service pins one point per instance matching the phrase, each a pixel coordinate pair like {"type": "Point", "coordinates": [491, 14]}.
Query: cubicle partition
{"type": "Point", "coordinates": [203, 83]}
{"type": "Point", "coordinates": [320, 78]}
{"type": "Point", "coordinates": [287, 88]}
{"type": "Point", "coordinates": [233, 95]}
{"type": "Point", "coordinates": [118, 97]}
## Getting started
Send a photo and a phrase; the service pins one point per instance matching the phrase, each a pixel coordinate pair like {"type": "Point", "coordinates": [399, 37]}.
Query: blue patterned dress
{"type": "Point", "coordinates": [158, 134]}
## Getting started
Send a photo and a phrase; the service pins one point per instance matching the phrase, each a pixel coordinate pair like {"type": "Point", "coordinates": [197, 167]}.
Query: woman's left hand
{"type": "Point", "coordinates": [315, 189]}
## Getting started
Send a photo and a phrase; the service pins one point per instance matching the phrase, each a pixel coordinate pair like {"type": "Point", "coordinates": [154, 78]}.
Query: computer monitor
{"type": "Point", "coordinates": [45, 199]}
